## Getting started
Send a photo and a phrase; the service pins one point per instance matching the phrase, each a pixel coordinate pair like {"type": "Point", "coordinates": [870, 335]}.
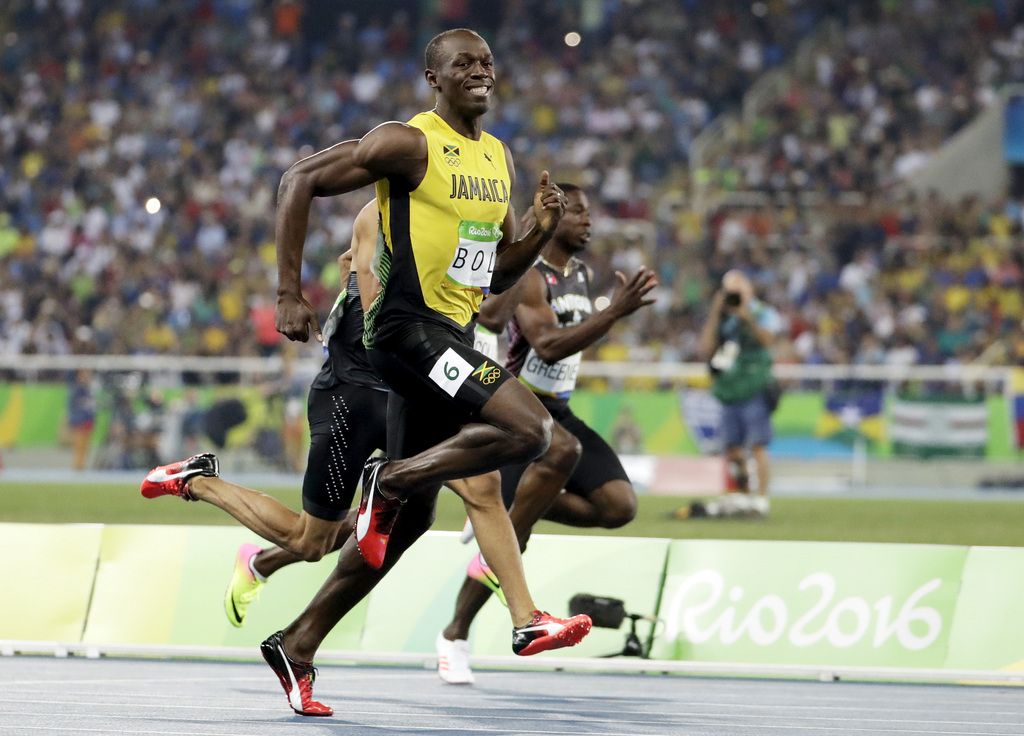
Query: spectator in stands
{"type": "Point", "coordinates": [139, 160]}
{"type": "Point", "coordinates": [193, 420]}
{"type": "Point", "coordinates": [627, 435]}
{"type": "Point", "coordinates": [81, 417]}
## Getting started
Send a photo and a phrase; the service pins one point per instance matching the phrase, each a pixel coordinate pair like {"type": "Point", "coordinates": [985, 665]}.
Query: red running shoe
{"type": "Point", "coordinates": [172, 480]}
{"type": "Point", "coordinates": [547, 632]}
{"type": "Point", "coordinates": [296, 678]}
{"type": "Point", "coordinates": [377, 515]}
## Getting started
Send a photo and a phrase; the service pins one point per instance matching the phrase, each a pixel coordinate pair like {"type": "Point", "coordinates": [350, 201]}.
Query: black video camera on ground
{"type": "Point", "coordinates": [609, 613]}
{"type": "Point", "coordinates": [606, 613]}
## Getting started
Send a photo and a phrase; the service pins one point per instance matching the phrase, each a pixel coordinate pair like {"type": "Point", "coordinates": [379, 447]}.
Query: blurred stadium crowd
{"type": "Point", "coordinates": [140, 155]}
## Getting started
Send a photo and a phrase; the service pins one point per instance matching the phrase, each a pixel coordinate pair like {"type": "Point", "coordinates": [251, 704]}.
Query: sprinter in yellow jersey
{"type": "Point", "coordinates": [448, 238]}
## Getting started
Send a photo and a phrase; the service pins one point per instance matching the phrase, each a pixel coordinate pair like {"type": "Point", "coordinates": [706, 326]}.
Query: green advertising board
{"type": "Point", "coordinates": [435, 568]}
{"type": "Point", "coordinates": [920, 607]}
{"type": "Point", "coordinates": [988, 632]}
{"type": "Point", "coordinates": [48, 579]}
{"type": "Point", "coordinates": [165, 585]}
{"type": "Point", "coordinates": [809, 603]}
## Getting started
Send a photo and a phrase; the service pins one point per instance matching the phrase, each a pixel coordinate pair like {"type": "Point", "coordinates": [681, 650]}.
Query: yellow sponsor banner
{"type": "Point", "coordinates": [46, 580]}
{"type": "Point", "coordinates": [166, 585]}
{"type": "Point", "coordinates": [137, 584]}
{"type": "Point", "coordinates": [987, 629]}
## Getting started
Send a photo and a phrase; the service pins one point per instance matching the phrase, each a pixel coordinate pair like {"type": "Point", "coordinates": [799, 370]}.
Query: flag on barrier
{"type": "Point", "coordinates": [940, 425]}
{"type": "Point", "coordinates": [851, 413]}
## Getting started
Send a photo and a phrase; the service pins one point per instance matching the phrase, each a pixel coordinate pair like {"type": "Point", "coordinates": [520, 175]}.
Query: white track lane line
{"type": "Point", "coordinates": [51, 729]}
{"type": "Point", "coordinates": [117, 699]}
{"type": "Point", "coordinates": [720, 719]}
{"type": "Point", "coordinates": [433, 729]}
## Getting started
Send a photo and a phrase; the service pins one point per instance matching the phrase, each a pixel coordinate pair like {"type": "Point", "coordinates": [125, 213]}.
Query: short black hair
{"type": "Point", "coordinates": [567, 187]}
{"type": "Point", "coordinates": [432, 55]}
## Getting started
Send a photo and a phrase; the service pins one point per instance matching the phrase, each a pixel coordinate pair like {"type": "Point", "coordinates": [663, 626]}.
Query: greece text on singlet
{"type": "Point", "coordinates": [438, 249]}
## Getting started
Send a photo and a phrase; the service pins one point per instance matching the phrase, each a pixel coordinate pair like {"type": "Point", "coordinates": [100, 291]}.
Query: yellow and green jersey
{"type": "Point", "coordinates": [438, 246]}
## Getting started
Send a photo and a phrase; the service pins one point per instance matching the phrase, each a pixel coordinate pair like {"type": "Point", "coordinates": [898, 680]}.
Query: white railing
{"type": "Point", "coordinates": [818, 373]}
{"type": "Point", "coordinates": [29, 366]}
{"type": "Point", "coordinates": [34, 364]}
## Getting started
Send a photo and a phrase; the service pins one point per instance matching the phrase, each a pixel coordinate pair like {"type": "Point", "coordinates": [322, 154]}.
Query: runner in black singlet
{"type": "Point", "coordinates": [347, 409]}
{"type": "Point", "coordinates": [554, 321]}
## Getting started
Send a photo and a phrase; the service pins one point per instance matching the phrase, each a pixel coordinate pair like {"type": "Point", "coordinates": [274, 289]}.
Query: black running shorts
{"type": "Point", "coordinates": [346, 424]}
{"type": "Point", "coordinates": [598, 464]}
{"type": "Point", "coordinates": [438, 383]}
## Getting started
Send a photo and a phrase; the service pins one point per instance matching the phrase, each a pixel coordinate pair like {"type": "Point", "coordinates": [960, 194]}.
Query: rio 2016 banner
{"type": "Point", "coordinates": [825, 604]}
{"type": "Point", "coordinates": [809, 603]}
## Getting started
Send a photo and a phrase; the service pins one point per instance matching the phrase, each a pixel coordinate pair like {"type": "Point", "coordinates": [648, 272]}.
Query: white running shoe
{"type": "Point", "coordinates": [742, 506]}
{"type": "Point", "coordinates": [453, 661]}
{"type": "Point", "coordinates": [467, 532]}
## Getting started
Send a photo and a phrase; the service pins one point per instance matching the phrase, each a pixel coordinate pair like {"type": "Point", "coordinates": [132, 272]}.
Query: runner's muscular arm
{"type": "Point", "coordinates": [497, 309]}
{"type": "Point", "coordinates": [345, 265]}
{"type": "Point", "coordinates": [516, 256]}
{"type": "Point", "coordinates": [364, 242]}
{"type": "Point", "coordinates": [393, 150]}
{"type": "Point", "coordinates": [709, 332]}
{"type": "Point", "coordinates": [539, 324]}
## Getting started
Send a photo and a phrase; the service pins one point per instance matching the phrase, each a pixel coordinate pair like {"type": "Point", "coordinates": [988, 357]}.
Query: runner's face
{"type": "Point", "coordinates": [466, 76]}
{"type": "Point", "coordinates": [574, 227]}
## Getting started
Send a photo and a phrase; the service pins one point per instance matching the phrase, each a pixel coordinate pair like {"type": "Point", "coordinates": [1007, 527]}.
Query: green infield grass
{"type": "Point", "coordinates": [982, 523]}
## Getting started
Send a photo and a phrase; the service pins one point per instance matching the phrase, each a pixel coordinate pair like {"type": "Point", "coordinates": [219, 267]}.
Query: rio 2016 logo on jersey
{"type": "Point", "coordinates": [451, 155]}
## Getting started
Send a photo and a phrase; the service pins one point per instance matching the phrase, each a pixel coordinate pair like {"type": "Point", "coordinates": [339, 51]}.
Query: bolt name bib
{"type": "Point", "coordinates": [473, 263]}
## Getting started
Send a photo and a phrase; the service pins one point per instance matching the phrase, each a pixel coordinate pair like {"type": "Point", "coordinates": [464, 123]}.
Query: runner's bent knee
{"type": "Point", "coordinates": [532, 439]}
{"type": "Point", "coordinates": [616, 503]}
{"type": "Point", "coordinates": [527, 424]}
{"type": "Point", "coordinates": [564, 452]}
{"type": "Point", "coordinates": [480, 491]}
{"type": "Point", "coordinates": [312, 538]}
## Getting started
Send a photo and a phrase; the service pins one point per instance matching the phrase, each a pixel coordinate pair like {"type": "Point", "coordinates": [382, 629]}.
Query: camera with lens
{"type": "Point", "coordinates": [609, 613]}
{"type": "Point", "coordinates": [733, 298]}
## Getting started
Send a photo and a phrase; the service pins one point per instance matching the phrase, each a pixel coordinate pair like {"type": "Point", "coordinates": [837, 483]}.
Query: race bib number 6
{"type": "Point", "coordinates": [450, 371]}
{"type": "Point", "coordinates": [473, 263]}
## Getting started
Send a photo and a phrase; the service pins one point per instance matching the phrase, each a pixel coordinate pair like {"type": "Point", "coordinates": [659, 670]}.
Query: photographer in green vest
{"type": "Point", "coordinates": [737, 338]}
